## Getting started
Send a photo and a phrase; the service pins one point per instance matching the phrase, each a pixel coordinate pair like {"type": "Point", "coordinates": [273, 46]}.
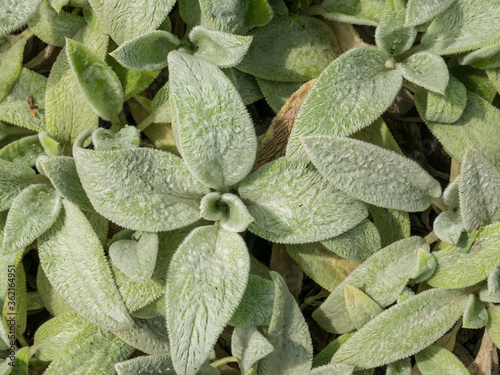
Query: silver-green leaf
{"type": "Point", "coordinates": [427, 70]}
{"type": "Point", "coordinates": [16, 13]}
{"type": "Point", "coordinates": [436, 360]}
{"type": "Point", "coordinates": [151, 365]}
{"type": "Point", "coordinates": [11, 58]}
{"type": "Point", "coordinates": [421, 11]}
{"type": "Point", "coordinates": [249, 346]}
{"type": "Point", "coordinates": [392, 35]}
{"type": "Point", "coordinates": [14, 179]}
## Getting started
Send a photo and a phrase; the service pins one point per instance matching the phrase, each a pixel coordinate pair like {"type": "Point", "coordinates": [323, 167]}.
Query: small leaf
{"type": "Point", "coordinates": [155, 365]}
{"type": "Point", "coordinates": [146, 52]}
{"type": "Point", "coordinates": [50, 145]}
{"type": "Point", "coordinates": [222, 49]}
{"type": "Point", "coordinates": [14, 179]}
{"type": "Point", "coordinates": [139, 188]}
{"type": "Point", "coordinates": [112, 13]}
{"type": "Point", "coordinates": [475, 314]}
{"type": "Point", "coordinates": [161, 107]}
{"type": "Point", "coordinates": [148, 335]}
{"type": "Point", "coordinates": [357, 244]}
{"type": "Point", "coordinates": [364, 12]}
{"type": "Point", "coordinates": [445, 108]}
{"type": "Point", "coordinates": [53, 26]}
{"type": "Point", "coordinates": [405, 329]}
{"type": "Point", "coordinates": [421, 11]}
{"type": "Point", "coordinates": [401, 367]}
{"type": "Point", "coordinates": [277, 93]}
{"type": "Point", "coordinates": [491, 293]}
{"type": "Point", "coordinates": [249, 346]}
{"type": "Point", "coordinates": [236, 218]}
{"type": "Point", "coordinates": [451, 194]}
{"type": "Point", "coordinates": [291, 52]}
{"type": "Point", "coordinates": [11, 58]}
{"type": "Point", "coordinates": [212, 128]}
{"type": "Point", "coordinates": [384, 276]}
{"type": "Point", "coordinates": [16, 13]}
{"type": "Point", "coordinates": [370, 173]}
{"type": "Point", "coordinates": [493, 325]}
{"type": "Point", "coordinates": [288, 334]}
{"type": "Point", "coordinates": [209, 209]}
{"type": "Point", "coordinates": [126, 137]}
{"type": "Point", "coordinates": [32, 213]}
{"type": "Point", "coordinates": [359, 87]}
{"type": "Point", "coordinates": [359, 306]}
{"type": "Point", "coordinates": [463, 26]}
{"type": "Point", "coordinates": [24, 151]}
{"type": "Point", "coordinates": [436, 360]}
{"type": "Point", "coordinates": [292, 203]}
{"type": "Point", "coordinates": [136, 259]}
{"type": "Point", "coordinates": [100, 84]}
{"type": "Point", "coordinates": [467, 263]}
{"type": "Point", "coordinates": [427, 70]}
{"type": "Point", "coordinates": [209, 262]}
{"type": "Point", "coordinates": [392, 35]}
{"type": "Point", "coordinates": [448, 226]}
{"type": "Point", "coordinates": [479, 188]}
{"type": "Point", "coordinates": [75, 259]}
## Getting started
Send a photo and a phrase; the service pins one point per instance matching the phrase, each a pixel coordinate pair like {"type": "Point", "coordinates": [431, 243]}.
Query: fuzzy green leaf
{"type": "Point", "coordinates": [32, 213]}
{"type": "Point", "coordinates": [372, 174]}
{"type": "Point", "coordinates": [277, 93]}
{"type": "Point", "coordinates": [292, 203]}
{"type": "Point", "coordinates": [68, 111]}
{"type": "Point", "coordinates": [483, 58]}
{"type": "Point", "coordinates": [463, 26]}
{"type": "Point", "coordinates": [451, 194]}
{"type": "Point", "coordinates": [50, 145]}
{"type": "Point", "coordinates": [53, 27]}
{"type": "Point", "coordinates": [127, 137]}
{"type": "Point", "coordinates": [24, 151]}
{"type": "Point", "coordinates": [401, 367]}
{"type": "Point", "coordinates": [288, 334]}
{"type": "Point", "coordinates": [479, 189]}
{"type": "Point", "coordinates": [491, 293]}
{"type": "Point", "coordinates": [357, 244]}
{"type": "Point", "coordinates": [445, 108]}
{"type": "Point", "coordinates": [210, 262]}
{"type": "Point", "coordinates": [448, 226]}
{"type": "Point", "coordinates": [11, 57]}
{"type": "Point", "coordinates": [321, 264]}
{"type": "Point", "coordinates": [405, 329]}
{"type": "Point", "coordinates": [151, 365]}
{"type": "Point", "coordinates": [291, 51]}
{"type": "Point", "coordinates": [383, 275]}
{"type": "Point", "coordinates": [236, 218]}
{"type": "Point", "coordinates": [146, 52]}
{"type": "Point", "coordinates": [222, 49]}
{"type": "Point", "coordinates": [249, 346]}
{"type": "Point", "coordinates": [359, 87]}
{"type": "Point", "coordinates": [475, 314]}
{"type": "Point", "coordinates": [14, 107]}
{"type": "Point", "coordinates": [358, 12]}
{"type": "Point", "coordinates": [421, 11]}
{"type": "Point", "coordinates": [393, 225]}
{"type": "Point", "coordinates": [100, 84]}
{"type": "Point", "coordinates": [61, 171]}
{"type": "Point", "coordinates": [148, 335]}
{"type": "Point", "coordinates": [246, 84]}
{"type": "Point", "coordinates": [212, 128]}
{"type": "Point", "coordinates": [493, 325]}
{"type": "Point", "coordinates": [392, 35]}
{"type": "Point", "coordinates": [436, 360]}
{"type": "Point", "coordinates": [15, 305]}
{"type": "Point", "coordinates": [360, 307]}
{"type": "Point", "coordinates": [427, 70]}
{"type": "Point", "coordinates": [333, 369]}
{"type": "Point", "coordinates": [52, 301]}
{"type": "Point", "coordinates": [75, 259]}
{"type": "Point", "coordinates": [16, 13]}
{"type": "Point", "coordinates": [468, 262]}
{"type": "Point", "coordinates": [139, 188]}
{"type": "Point", "coordinates": [14, 179]}
{"type": "Point", "coordinates": [142, 17]}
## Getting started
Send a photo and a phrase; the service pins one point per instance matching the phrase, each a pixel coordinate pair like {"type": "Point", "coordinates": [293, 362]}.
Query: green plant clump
{"type": "Point", "coordinates": [152, 222]}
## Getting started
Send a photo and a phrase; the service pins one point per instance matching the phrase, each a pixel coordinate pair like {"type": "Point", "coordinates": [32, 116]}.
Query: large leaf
{"type": "Point", "coordinates": [468, 262]}
{"type": "Point", "coordinates": [292, 203]}
{"type": "Point", "coordinates": [372, 174]}
{"type": "Point", "coordinates": [427, 70]}
{"type": "Point", "coordinates": [249, 346]}
{"type": "Point", "coordinates": [212, 128]}
{"type": "Point", "coordinates": [16, 13]}
{"type": "Point", "coordinates": [392, 35]}
{"type": "Point", "coordinates": [11, 57]}
{"type": "Point", "coordinates": [32, 213]}
{"type": "Point", "coordinates": [359, 89]}
{"type": "Point", "coordinates": [463, 26]}
{"type": "Point", "coordinates": [14, 179]}
{"type": "Point", "coordinates": [142, 16]}
{"type": "Point", "coordinates": [421, 11]}
{"type": "Point", "coordinates": [68, 111]}
{"type": "Point", "coordinates": [479, 189]}
{"type": "Point", "coordinates": [288, 334]}
{"type": "Point", "coordinates": [139, 188]}
{"type": "Point", "coordinates": [383, 275]}
{"type": "Point", "coordinates": [292, 51]}
{"type": "Point", "coordinates": [75, 265]}
{"type": "Point", "coordinates": [405, 329]}
{"type": "Point", "coordinates": [206, 280]}
{"type": "Point", "coordinates": [436, 360]}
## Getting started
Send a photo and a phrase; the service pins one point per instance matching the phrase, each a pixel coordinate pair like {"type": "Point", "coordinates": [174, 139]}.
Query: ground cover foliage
{"type": "Point", "coordinates": [249, 187]}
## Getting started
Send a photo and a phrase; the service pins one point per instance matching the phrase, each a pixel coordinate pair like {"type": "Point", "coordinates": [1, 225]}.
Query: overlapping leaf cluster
{"type": "Point", "coordinates": [143, 232]}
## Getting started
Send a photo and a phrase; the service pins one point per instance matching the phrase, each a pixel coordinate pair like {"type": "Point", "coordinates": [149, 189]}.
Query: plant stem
{"type": "Point", "coordinates": [145, 123]}
{"type": "Point", "coordinates": [439, 203]}
{"type": "Point", "coordinates": [223, 361]}
{"type": "Point", "coordinates": [431, 238]}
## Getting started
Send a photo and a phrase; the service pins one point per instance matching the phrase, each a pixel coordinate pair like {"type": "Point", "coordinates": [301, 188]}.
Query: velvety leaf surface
{"type": "Point", "coordinates": [24, 151]}
{"type": "Point", "coordinates": [383, 275]}
{"type": "Point", "coordinates": [392, 35]}
{"type": "Point", "coordinates": [151, 365]}
{"type": "Point", "coordinates": [469, 262]}
{"type": "Point", "coordinates": [448, 226]}
{"type": "Point", "coordinates": [32, 213]}
{"type": "Point", "coordinates": [15, 303]}
{"type": "Point", "coordinates": [483, 58]}
{"type": "Point", "coordinates": [206, 281]}
{"type": "Point", "coordinates": [212, 128]}
{"type": "Point", "coordinates": [358, 12]}
{"type": "Point", "coordinates": [359, 87]}
{"type": "Point", "coordinates": [437, 360]}
{"type": "Point", "coordinates": [421, 11]}
{"type": "Point", "coordinates": [426, 70]}
{"type": "Point", "coordinates": [148, 335]}
{"type": "Point", "coordinates": [493, 325]}
{"type": "Point", "coordinates": [277, 93]}
{"type": "Point", "coordinates": [288, 334]}
{"type": "Point", "coordinates": [11, 56]}
{"type": "Point", "coordinates": [405, 329]}
{"type": "Point", "coordinates": [401, 367]}
{"type": "Point", "coordinates": [142, 16]}
{"type": "Point", "coordinates": [475, 314]}
{"type": "Point", "coordinates": [222, 49]}
{"type": "Point", "coordinates": [147, 51]}
{"type": "Point", "coordinates": [360, 307]}
{"type": "Point", "coordinates": [16, 13]}
{"type": "Point", "coordinates": [140, 188]}
{"type": "Point", "coordinates": [292, 203]}
{"type": "Point", "coordinates": [75, 259]}
{"type": "Point", "coordinates": [236, 218]}
{"type": "Point", "coordinates": [249, 346]}
{"type": "Point", "coordinates": [333, 369]}
{"type": "Point", "coordinates": [246, 84]}
{"type": "Point", "coordinates": [52, 301]}
{"type": "Point", "coordinates": [370, 173]}
{"type": "Point", "coordinates": [126, 137]}
{"type": "Point", "coordinates": [393, 225]}
{"type": "Point", "coordinates": [291, 52]}
{"type": "Point", "coordinates": [14, 179]}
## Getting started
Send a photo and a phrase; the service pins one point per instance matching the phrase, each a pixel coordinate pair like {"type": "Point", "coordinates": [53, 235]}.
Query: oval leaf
{"type": "Point", "coordinates": [436, 360]}
{"type": "Point", "coordinates": [426, 70]}
{"type": "Point", "coordinates": [392, 35]}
